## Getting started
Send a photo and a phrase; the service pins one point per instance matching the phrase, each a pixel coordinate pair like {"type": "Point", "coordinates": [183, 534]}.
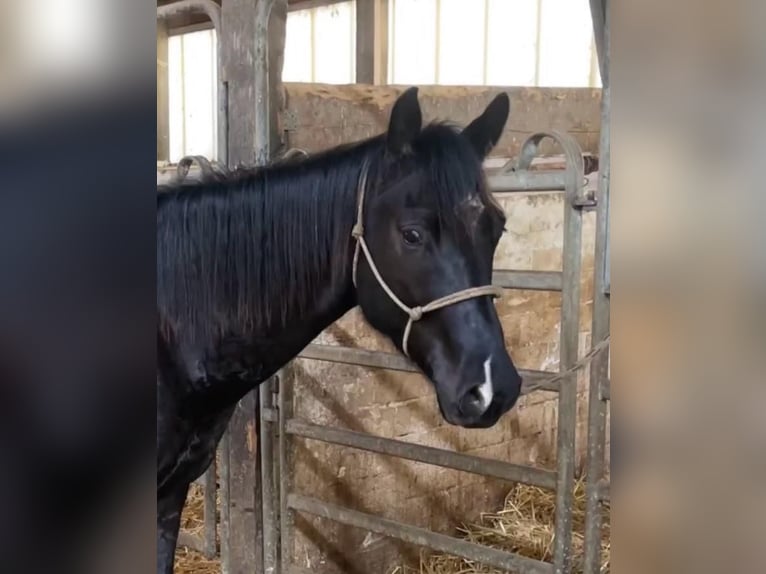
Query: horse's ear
{"type": "Point", "coordinates": [484, 132]}
{"type": "Point", "coordinates": [405, 123]}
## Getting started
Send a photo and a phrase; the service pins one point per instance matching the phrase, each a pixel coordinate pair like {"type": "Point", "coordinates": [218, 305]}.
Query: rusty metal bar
{"type": "Point", "coordinates": [532, 280]}
{"type": "Point", "coordinates": [426, 454]}
{"type": "Point", "coordinates": [394, 361]}
{"type": "Point", "coordinates": [419, 536]}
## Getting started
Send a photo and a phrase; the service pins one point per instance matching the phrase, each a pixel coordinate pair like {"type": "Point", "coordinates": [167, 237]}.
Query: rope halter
{"type": "Point", "coordinates": [414, 313]}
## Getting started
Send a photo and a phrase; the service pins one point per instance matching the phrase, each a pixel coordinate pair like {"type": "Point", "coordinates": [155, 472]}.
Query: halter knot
{"type": "Point", "coordinates": [358, 230]}
{"type": "Point", "coordinates": [416, 314]}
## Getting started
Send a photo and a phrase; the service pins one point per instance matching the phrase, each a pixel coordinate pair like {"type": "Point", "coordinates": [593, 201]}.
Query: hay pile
{"type": "Point", "coordinates": [188, 561]}
{"type": "Point", "coordinates": [525, 525]}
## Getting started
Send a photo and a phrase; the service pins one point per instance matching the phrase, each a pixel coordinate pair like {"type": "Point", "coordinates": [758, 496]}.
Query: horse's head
{"type": "Point", "coordinates": [432, 228]}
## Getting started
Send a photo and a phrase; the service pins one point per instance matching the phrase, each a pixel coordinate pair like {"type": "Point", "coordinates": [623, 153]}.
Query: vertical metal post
{"type": "Point", "coordinates": [286, 382]}
{"type": "Point", "coordinates": [599, 368]}
{"type": "Point", "coordinates": [569, 336]}
{"type": "Point", "coordinates": [267, 435]}
{"type": "Point", "coordinates": [569, 342]}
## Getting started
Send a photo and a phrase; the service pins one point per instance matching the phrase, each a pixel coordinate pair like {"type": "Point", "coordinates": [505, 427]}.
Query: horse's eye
{"type": "Point", "coordinates": [412, 236]}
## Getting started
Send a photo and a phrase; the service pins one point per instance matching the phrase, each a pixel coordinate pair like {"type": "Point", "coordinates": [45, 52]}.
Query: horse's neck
{"type": "Point", "coordinates": [313, 304]}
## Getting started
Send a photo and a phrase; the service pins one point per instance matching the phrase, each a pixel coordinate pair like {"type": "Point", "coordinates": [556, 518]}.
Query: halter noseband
{"type": "Point", "coordinates": [414, 313]}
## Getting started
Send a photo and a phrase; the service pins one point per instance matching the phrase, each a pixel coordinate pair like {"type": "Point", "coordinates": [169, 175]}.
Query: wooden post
{"type": "Point", "coordinates": [372, 42]}
{"type": "Point", "coordinates": [245, 536]}
{"type": "Point", "coordinates": [242, 551]}
{"type": "Point", "coordinates": [163, 105]}
{"type": "Point", "coordinates": [238, 60]}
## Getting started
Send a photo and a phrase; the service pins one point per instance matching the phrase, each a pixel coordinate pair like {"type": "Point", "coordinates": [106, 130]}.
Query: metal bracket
{"type": "Point", "coordinates": [574, 175]}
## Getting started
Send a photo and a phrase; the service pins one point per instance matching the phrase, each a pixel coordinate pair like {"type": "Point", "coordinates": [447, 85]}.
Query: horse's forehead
{"type": "Point", "coordinates": [470, 210]}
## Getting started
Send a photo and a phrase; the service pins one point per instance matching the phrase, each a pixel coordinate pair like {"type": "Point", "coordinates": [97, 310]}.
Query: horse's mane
{"type": "Point", "coordinates": [248, 250]}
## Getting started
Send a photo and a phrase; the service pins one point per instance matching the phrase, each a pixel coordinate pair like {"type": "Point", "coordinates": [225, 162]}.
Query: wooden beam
{"type": "Point", "coordinates": [365, 41]}
{"type": "Point", "coordinates": [163, 103]}
{"type": "Point", "coordinates": [371, 41]}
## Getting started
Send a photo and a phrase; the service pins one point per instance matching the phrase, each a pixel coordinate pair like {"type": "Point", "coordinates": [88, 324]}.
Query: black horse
{"type": "Point", "coordinates": [251, 267]}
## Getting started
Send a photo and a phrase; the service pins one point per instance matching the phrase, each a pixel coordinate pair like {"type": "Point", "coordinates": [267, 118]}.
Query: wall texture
{"type": "Point", "coordinates": [403, 405]}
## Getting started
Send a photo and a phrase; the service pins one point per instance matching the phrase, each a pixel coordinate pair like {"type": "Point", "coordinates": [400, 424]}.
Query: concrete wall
{"type": "Point", "coordinates": [403, 405]}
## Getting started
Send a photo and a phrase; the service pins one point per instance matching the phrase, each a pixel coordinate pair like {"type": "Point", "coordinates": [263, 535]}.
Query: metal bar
{"type": "Point", "coordinates": [286, 455]}
{"type": "Point", "coordinates": [396, 362]}
{"type": "Point", "coordinates": [419, 536]}
{"type": "Point", "coordinates": [525, 180]}
{"type": "Point", "coordinates": [532, 280]}
{"type": "Point", "coordinates": [426, 454]}
{"type": "Point", "coordinates": [209, 511]}
{"type": "Point", "coordinates": [208, 7]}
{"type": "Point", "coordinates": [568, 342]}
{"type": "Point", "coordinates": [268, 493]}
{"type": "Point", "coordinates": [599, 369]}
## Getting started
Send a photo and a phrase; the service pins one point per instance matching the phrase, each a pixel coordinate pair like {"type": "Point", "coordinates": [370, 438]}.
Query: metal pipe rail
{"type": "Point", "coordinates": [419, 536]}
{"type": "Point", "coordinates": [536, 380]}
{"type": "Point", "coordinates": [426, 454]}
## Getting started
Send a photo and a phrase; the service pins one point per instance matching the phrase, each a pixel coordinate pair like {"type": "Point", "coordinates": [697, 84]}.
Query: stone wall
{"type": "Point", "coordinates": [401, 405]}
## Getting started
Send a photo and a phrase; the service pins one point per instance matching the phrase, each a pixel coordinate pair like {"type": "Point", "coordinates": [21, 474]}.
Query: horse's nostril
{"type": "Point", "coordinates": [474, 395]}
{"type": "Point", "coordinates": [473, 402]}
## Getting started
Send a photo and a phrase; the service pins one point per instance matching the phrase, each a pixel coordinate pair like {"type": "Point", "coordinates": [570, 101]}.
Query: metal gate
{"type": "Point", "coordinates": [278, 424]}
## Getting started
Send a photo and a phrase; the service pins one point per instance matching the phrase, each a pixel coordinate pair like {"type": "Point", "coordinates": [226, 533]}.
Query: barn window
{"type": "Point", "coordinates": [455, 42]}
{"type": "Point", "coordinates": [320, 45]}
{"type": "Point", "coordinates": [492, 42]}
{"type": "Point", "coordinates": [192, 94]}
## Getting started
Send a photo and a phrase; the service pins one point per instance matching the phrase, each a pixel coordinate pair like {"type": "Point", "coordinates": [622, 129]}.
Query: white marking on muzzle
{"type": "Point", "coordinates": [485, 389]}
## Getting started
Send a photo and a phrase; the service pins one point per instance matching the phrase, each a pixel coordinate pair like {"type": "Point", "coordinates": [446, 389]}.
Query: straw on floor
{"type": "Point", "coordinates": [525, 525]}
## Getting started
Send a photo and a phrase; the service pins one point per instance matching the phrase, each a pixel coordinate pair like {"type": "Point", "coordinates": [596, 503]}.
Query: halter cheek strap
{"type": "Point", "coordinates": [414, 313]}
